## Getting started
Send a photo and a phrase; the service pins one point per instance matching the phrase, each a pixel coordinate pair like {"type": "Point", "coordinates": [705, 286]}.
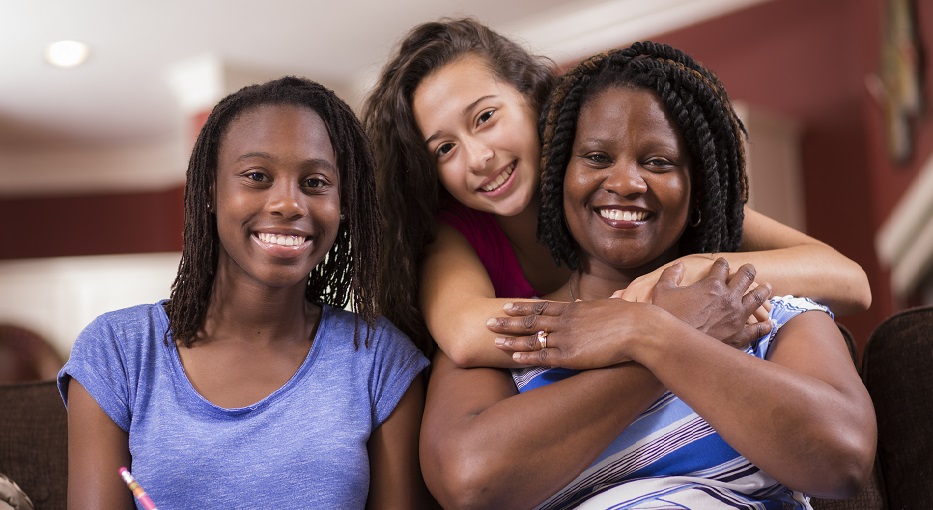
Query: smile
{"type": "Point", "coordinates": [281, 240]}
{"type": "Point", "coordinates": [617, 215]}
{"type": "Point", "coordinates": [500, 179]}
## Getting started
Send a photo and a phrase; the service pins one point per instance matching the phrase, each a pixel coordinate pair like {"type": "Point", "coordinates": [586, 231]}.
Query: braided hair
{"type": "Point", "coordinates": [349, 267]}
{"type": "Point", "coordinates": [406, 175]}
{"type": "Point", "coordinates": [698, 104]}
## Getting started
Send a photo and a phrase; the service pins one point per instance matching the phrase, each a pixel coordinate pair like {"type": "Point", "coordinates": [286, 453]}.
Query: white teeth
{"type": "Point", "coordinates": [500, 179]}
{"type": "Point", "coordinates": [281, 240]}
{"type": "Point", "coordinates": [617, 215]}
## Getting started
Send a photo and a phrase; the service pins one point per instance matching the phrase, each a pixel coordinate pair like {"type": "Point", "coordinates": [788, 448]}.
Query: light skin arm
{"type": "Point", "coordinates": [803, 416]}
{"type": "Point", "coordinates": [97, 448]}
{"type": "Point", "coordinates": [457, 297]}
{"type": "Point", "coordinates": [484, 446]}
{"type": "Point", "coordinates": [791, 261]}
{"type": "Point", "coordinates": [395, 475]}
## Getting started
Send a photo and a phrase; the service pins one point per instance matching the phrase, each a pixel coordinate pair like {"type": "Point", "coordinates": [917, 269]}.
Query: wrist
{"type": "Point", "coordinates": [654, 336]}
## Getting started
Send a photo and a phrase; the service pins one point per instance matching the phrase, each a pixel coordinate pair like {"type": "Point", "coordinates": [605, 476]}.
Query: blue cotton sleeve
{"type": "Point", "coordinates": [397, 362]}
{"type": "Point", "coordinates": [783, 309]}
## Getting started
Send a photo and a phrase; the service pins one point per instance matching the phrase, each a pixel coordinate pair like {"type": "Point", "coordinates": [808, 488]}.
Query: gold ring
{"type": "Point", "coordinates": [542, 339]}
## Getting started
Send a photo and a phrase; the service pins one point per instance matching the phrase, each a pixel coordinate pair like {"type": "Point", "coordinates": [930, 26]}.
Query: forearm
{"type": "Point", "coordinates": [808, 434]}
{"type": "Point", "coordinates": [813, 270]}
{"type": "Point", "coordinates": [513, 451]}
{"type": "Point", "coordinates": [795, 263]}
{"type": "Point", "coordinates": [458, 325]}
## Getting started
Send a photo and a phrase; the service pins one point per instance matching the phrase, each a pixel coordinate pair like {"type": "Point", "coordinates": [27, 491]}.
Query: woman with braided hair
{"type": "Point", "coordinates": [664, 414]}
{"type": "Point", "coordinates": [252, 387]}
{"type": "Point", "coordinates": [453, 121]}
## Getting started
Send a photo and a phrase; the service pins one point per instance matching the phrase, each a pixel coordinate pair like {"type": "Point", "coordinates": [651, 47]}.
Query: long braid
{"type": "Point", "coordinates": [348, 268]}
{"type": "Point", "coordinates": [699, 106]}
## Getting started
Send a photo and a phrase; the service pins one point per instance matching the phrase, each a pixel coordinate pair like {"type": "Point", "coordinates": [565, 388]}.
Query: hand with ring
{"type": "Point", "coordinates": [580, 335]}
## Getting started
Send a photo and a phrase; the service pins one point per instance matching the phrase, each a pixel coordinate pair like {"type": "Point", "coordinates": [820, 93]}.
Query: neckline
{"type": "Point", "coordinates": [193, 395]}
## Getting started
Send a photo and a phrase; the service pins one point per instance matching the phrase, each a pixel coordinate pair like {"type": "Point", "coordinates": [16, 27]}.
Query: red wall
{"type": "Point", "coordinates": [144, 222]}
{"type": "Point", "coordinates": [808, 60]}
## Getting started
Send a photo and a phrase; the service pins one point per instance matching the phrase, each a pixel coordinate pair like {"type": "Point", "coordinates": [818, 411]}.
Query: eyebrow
{"type": "Point", "coordinates": [466, 110]}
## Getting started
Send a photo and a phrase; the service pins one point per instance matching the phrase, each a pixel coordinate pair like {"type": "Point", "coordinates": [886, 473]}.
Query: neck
{"type": "Point", "coordinates": [522, 228]}
{"type": "Point", "coordinates": [594, 280]}
{"type": "Point", "coordinates": [237, 309]}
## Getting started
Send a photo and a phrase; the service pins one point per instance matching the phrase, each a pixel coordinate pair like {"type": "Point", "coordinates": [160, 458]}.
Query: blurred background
{"type": "Point", "coordinates": [92, 158]}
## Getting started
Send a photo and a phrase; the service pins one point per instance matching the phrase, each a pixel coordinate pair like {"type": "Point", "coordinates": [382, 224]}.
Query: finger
{"type": "Point", "coordinates": [757, 297]}
{"type": "Point", "coordinates": [517, 343]}
{"type": "Point", "coordinates": [519, 308]}
{"type": "Point", "coordinates": [671, 276]}
{"type": "Point", "coordinates": [743, 278]}
{"type": "Point", "coordinates": [759, 315]}
{"type": "Point", "coordinates": [719, 270]}
{"type": "Point", "coordinates": [521, 325]}
{"type": "Point", "coordinates": [750, 333]}
{"type": "Point", "coordinates": [617, 294]}
{"type": "Point", "coordinates": [543, 358]}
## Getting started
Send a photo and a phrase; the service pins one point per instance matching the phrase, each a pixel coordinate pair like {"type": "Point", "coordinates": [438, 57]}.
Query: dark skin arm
{"type": "Point", "coordinates": [485, 446]}
{"type": "Point", "coordinates": [97, 448]}
{"type": "Point", "coordinates": [803, 416]}
{"type": "Point", "coordinates": [395, 475]}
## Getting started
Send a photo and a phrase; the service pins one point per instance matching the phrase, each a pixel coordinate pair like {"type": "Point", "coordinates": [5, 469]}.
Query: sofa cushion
{"type": "Point", "coordinates": [34, 442]}
{"type": "Point", "coordinates": [897, 368]}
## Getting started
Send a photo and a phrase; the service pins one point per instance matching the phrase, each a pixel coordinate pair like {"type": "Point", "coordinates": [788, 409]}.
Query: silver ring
{"type": "Point", "coordinates": [542, 339]}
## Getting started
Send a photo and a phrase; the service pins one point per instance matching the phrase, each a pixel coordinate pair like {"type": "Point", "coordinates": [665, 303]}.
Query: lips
{"type": "Point", "coordinates": [499, 180]}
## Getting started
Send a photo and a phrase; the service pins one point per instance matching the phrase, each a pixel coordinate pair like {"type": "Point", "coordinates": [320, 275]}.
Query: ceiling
{"type": "Point", "coordinates": [122, 96]}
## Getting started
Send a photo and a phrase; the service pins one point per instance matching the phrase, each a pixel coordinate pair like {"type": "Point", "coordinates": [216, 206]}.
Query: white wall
{"type": "Point", "coordinates": [775, 186]}
{"type": "Point", "coordinates": [58, 297]}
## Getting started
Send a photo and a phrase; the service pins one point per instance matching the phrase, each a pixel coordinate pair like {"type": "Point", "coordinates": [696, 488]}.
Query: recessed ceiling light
{"type": "Point", "coordinates": [66, 53]}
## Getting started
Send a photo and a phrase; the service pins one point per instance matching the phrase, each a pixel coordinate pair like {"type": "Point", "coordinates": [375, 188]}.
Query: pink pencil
{"type": "Point", "coordinates": [137, 489]}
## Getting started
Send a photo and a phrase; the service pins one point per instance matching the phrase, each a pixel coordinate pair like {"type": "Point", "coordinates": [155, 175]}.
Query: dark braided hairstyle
{"type": "Point", "coordinates": [349, 267]}
{"type": "Point", "coordinates": [406, 172]}
{"type": "Point", "coordinates": [698, 104]}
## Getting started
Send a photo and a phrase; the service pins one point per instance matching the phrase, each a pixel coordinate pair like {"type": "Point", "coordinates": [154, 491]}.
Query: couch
{"type": "Point", "coordinates": [897, 369]}
{"type": "Point", "coordinates": [34, 442]}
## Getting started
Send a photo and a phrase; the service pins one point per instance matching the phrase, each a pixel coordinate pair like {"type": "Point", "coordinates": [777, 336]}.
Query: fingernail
{"type": "Point", "coordinates": [507, 306]}
{"type": "Point", "coordinates": [500, 340]}
{"type": "Point", "coordinates": [491, 322]}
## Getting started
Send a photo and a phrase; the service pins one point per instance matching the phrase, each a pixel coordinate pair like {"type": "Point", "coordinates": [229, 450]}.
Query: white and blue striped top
{"type": "Point", "coordinates": [670, 457]}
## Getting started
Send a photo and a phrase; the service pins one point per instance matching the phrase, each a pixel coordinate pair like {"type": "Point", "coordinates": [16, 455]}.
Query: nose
{"type": "Point", "coordinates": [285, 200]}
{"type": "Point", "coordinates": [626, 179]}
{"type": "Point", "coordinates": [478, 154]}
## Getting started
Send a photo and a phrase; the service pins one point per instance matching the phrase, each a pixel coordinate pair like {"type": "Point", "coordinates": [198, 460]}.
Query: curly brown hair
{"type": "Point", "coordinates": [406, 173]}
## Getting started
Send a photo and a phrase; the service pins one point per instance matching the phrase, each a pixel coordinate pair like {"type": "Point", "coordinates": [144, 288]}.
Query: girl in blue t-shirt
{"type": "Point", "coordinates": [251, 387]}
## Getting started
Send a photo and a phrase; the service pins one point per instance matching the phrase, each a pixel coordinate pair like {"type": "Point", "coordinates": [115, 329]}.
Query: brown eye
{"type": "Point", "coordinates": [444, 149]}
{"type": "Point", "coordinates": [485, 116]}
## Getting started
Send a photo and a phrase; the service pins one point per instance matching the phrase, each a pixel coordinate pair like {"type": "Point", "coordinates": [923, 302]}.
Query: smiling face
{"type": "Point", "coordinates": [277, 195]}
{"type": "Point", "coordinates": [482, 133]}
{"type": "Point", "coordinates": [627, 187]}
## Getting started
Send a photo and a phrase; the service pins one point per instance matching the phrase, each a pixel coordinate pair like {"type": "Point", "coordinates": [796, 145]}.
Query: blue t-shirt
{"type": "Point", "coordinates": [303, 446]}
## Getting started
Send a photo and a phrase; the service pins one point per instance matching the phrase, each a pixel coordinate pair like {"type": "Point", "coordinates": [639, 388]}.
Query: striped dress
{"type": "Point", "coordinates": [669, 457]}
